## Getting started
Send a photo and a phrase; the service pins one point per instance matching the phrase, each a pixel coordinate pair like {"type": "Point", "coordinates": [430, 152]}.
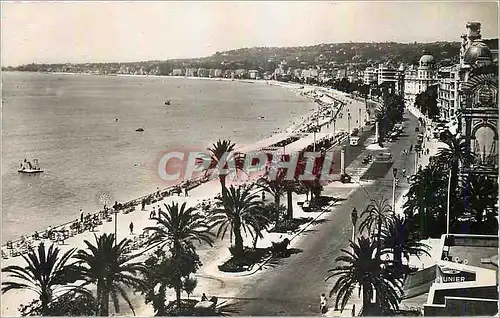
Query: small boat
{"type": "Point", "coordinates": [139, 129]}
{"type": "Point", "coordinates": [167, 102]}
{"type": "Point", "coordinates": [27, 167]}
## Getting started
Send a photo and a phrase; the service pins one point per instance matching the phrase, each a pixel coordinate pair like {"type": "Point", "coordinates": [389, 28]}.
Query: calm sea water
{"type": "Point", "coordinates": [68, 122]}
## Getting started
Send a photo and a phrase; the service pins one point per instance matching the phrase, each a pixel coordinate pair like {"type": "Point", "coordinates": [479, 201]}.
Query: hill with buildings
{"type": "Point", "coordinates": [354, 56]}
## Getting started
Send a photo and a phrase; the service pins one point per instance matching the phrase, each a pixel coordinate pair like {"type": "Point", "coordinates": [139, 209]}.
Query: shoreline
{"type": "Point", "coordinates": [306, 119]}
{"type": "Point", "coordinates": [198, 196]}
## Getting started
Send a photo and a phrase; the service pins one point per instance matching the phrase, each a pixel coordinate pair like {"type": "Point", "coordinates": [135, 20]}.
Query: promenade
{"type": "Point", "coordinates": [210, 280]}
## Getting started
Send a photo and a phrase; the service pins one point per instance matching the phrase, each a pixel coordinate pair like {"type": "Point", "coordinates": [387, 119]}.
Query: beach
{"type": "Point", "coordinates": [207, 190]}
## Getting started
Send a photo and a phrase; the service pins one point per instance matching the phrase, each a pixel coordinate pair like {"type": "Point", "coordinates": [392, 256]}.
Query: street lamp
{"type": "Point", "coordinates": [115, 209]}
{"type": "Point", "coordinates": [395, 175]}
{"type": "Point", "coordinates": [360, 120]}
{"type": "Point", "coordinates": [349, 123]}
{"type": "Point", "coordinates": [354, 219]}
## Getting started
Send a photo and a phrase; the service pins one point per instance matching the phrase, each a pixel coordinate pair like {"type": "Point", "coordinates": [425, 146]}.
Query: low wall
{"type": "Point", "coordinates": [459, 306]}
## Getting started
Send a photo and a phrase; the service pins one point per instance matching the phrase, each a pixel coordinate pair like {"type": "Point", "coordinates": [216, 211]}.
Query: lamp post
{"type": "Point", "coordinates": [354, 219]}
{"type": "Point", "coordinates": [395, 175]}
{"type": "Point", "coordinates": [349, 123]}
{"type": "Point", "coordinates": [360, 120]}
{"type": "Point", "coordinates": [116, 222]}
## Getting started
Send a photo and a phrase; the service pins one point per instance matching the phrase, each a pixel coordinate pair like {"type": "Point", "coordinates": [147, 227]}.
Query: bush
{"type": "Point", "coordinates": [290, 225]}
{"type": "Point", "coordinates": [249, 258]}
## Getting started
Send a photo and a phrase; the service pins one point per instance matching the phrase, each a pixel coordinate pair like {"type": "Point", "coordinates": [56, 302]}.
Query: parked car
{"type": "Point", "coordinates": [385, 156]}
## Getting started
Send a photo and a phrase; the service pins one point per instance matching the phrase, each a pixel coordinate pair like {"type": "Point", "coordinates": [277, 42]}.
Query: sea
{"type": "Point", "coordinates": [82, 129]}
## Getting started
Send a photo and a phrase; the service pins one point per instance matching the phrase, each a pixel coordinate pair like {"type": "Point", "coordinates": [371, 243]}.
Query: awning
{"type": "Point", "coordinates": [419, 283]}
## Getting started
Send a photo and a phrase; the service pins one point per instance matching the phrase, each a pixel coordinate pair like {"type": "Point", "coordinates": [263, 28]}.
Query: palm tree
{"type": "Point", "coordinates": [110, 268]}
{"type": "Point", "coordinates": [179, 227]}
{"type": "Point", "coordinates": [45, 273]}
{"type": "Point", "coordinates": [481, 194]}
{"type": "Point", "coordinates": [237, 209]}
{"type": "Point", "coordinates": [426, 199]}
{"type": "Point", "coordinates": [367, 270]}
{"type": "Point", "coordinates": [403, 239]}
{"type": "Point", "coordinates": [376, 216]}
{"type": "Point", "coordinates": [456, 153]}
{"type": "Point", "coordinates": [221, 149]}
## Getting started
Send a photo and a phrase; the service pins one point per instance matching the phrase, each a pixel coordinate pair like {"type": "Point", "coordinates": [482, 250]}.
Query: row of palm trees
{"type": "Point", "coordinates": [109, 268]}
{"type": "Point", "coordinates": [437, 190]}
{"type": "Point", "coordinates": [367, 263]}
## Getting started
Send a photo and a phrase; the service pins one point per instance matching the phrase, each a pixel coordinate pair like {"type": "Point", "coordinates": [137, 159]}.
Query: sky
{"type": "Point", "coordinates": [79, 32]}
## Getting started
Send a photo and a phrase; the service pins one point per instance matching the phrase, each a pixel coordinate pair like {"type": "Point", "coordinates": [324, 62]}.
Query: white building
{"type": "Point", "coordinates": [370, 76]}
{"type": "Point", "coordinates": [418, 79]}
{"type": "Point", "coordinates": [448, 100]}
{"type": "Point", "coordinates": [253, 74]}
{"type": "Point", "coordinates": [386, 74]}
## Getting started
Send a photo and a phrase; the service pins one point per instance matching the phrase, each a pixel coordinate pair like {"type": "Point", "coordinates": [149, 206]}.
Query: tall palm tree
{"type": "Point", "coordinates": [367, 270]}
{"type": "Point", "coordinates": [179, 227]}
{"type": "Point", "coordinates": [456, 153]}
{"type": "Point", "coordinates": [426, 199]}
{"type": "Point", "coordinates": [110, 268]}
{"type": "Point", "coordinates": [237, 210]}
{"type": "Point", "coordinates": [45, 273]}
{"type": "Point", "coordinates": [403, 239]}
{"type": "Point", "coordinates": [374, 217]}
{"type": "Point", "coordinates": [219, 150]}
{"type": "Point", "coordinates": [480, 193]}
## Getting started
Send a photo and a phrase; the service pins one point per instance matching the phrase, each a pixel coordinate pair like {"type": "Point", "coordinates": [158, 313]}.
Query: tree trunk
{"type": "Point", "coordinates": [178, 295]}
{"type": "Point", "coordinates": [289, 205]}
{"type": "Point", "coordinates": [178, 285]}
{"type": "Point", "coordinates": [222, 179]}
{"type": "Point", "coordinates": [45, 300]}
{"type": "Point", "coordinates": [379, 298]}
{"type": "Point", "coordinates": [397, 253]}
{"type": "Point", "coordinates": [277, 202]}
{"type": "Point", "coordinates": [238, 239]}
{"type": "Point", "coordinates": [104, 303]}
{"type": "Point", "coordinates": [366, 300]}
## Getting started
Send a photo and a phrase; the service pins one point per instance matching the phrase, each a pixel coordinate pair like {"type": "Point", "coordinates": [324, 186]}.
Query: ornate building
{"type": "Point", "coordinates": [418, 79]}
{"type": "Point", "coordinates": [478, 98]}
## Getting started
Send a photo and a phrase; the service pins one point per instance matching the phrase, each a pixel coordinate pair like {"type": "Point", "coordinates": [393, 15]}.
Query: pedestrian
{"type": "Point", "coordinates": [159, 212]}
{"type": "Point", "coordinates": [186, 191]}
{"type": "Point", "coordinates": [263, 195]}
{"type": "Point", "coordinates": [323, 302]}
{"type": "Point", "coordinates": [81, 215]}
{"type": "Point", "coordinates": [411, 147]}
{"type": "Point", "coordinates": [204, 297]}
{"type": "Point", "coordinates": [131, 227]}
{"type": "Point", "coordinates": [143, 203]}
{"type": "Point", "coordinates": [152, 214]}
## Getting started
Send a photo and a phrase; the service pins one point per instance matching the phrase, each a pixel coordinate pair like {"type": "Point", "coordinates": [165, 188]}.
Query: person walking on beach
{"type": "Point", "coordinates": [143, 204]}
{"type": "Point", "coordinates": [159, 212]}
{"type": "Point", "coordinates": [152, 214]}
{"type": "Point", "coordinates": [81, 216]}
{"type": "Point", "coordinates": [131, 227]}
{"type": "Point", "coordinates": [323, 302]}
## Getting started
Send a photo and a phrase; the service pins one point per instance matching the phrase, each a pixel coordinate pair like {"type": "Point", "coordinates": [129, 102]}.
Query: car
{"type": "Point", "coordinates": [354, 141]}
{"type": "Point", "coordinates": [385, 156]}
{"type": "Point", "coordinates": [417, 129]}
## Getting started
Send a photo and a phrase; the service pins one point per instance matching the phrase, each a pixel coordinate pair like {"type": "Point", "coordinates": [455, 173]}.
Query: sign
{"type": "Point", "coordinates": [452, 275]}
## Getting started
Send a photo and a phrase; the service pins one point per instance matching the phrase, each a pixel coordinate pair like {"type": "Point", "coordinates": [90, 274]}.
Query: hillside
{"type": "Point", "coordinates": [358, 55]}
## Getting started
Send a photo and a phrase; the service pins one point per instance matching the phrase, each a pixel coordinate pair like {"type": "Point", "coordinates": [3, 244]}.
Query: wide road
{"type": "Point", "coordinates": [293, 288]}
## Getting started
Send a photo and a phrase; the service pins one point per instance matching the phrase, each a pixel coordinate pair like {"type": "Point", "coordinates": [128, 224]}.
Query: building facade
{"type": "Point", "coordinates": [386, 74]}
{"type": "Point", "coordinates": [448, 102]}
{"type": "Point", "coordinates": [478, 104]}
{"type": "Point", "coordinates": [370, 76]}
{"type": "Point", "coordinates": [418, 79]}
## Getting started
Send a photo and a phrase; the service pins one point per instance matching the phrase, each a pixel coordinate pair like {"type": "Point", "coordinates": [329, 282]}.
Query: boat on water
{"type": "Point", "coordinates": [167, 102]}
{"type": "Point", "coordinates": [28, 167]}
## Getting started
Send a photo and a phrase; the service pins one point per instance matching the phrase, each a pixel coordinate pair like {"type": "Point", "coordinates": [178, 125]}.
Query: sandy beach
{"type": "Point", "coordinates": [209, 276]}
